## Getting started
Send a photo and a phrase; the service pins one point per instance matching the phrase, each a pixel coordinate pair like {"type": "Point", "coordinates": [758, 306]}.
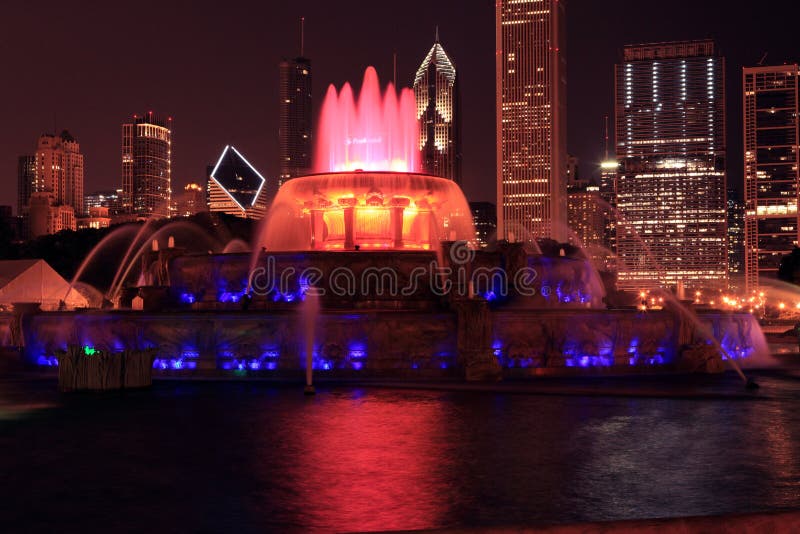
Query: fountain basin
{"type": "Point", "coordinates": [367, 211]}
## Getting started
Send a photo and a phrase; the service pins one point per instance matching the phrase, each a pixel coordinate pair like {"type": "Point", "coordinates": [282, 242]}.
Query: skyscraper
{"type": "Point", "coordinates": [59, 170]}
{"type": "Point", "coordinates": [191, 201]}
{"type": "Point", "coordinates": [671, 181]}
{"type": "Point", "coordinates": [235, 187]}
{"type": "Point", "coordinates": [147, 165]}
{"type": "Point", "coordinates": [587, 221]}
{"type": "Point", "coordinates": [439, 114]}
{"type": "Point", "coordinates": [484, 216]}
{"type": "Point", "coordinates": [735, 240]}
{"type": "Point", "coordinates": [770, 169]}
{"type": "Point", "coordinates": [26, 182]}
{"type": "Point", "coordinates": [531, 119]}
{"type": "Point", "coordinates": [295, 127]}
{"type": "Point", "coordinates": [608, 196]}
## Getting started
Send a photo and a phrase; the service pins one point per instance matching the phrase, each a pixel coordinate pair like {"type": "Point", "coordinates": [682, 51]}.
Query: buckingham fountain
{"type": "Point", "coordinates": [369, 269]}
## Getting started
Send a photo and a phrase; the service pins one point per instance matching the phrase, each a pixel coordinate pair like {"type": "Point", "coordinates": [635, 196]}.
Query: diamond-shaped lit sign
{"type": "Point", "coordinates": [238, 178]}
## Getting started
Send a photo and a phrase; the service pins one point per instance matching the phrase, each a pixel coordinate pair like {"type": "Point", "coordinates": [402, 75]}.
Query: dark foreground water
{"type": "Point", "coordinates": [253, 457]}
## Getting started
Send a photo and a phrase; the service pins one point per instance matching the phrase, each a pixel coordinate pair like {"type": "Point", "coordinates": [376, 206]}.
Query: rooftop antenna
{"type": "Point", "coordinates": [394, 68]}
{"type": "Point", "coordinates": [302, 36]}
{"type": "Point", "coordinates": [763, 59]}
{"type": "Point", "coordinates": [436, 40]}
{"type": "Point", "coordinates": [606, 140]}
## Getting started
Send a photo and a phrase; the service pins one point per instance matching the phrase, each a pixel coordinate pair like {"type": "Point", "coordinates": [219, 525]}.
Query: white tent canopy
{"type": "Point", "coordinates": [36, 282]}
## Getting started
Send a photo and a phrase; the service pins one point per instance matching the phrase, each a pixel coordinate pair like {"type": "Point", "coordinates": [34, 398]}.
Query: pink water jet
{"type": "Point", "coordinates": [375, 132]}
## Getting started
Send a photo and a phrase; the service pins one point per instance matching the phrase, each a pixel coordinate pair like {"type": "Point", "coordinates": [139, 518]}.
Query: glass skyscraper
{"type": "Point", "coordinates": [531, 82]}
{"type": "Point", "coordinates": [147, 166]}
{"type": "Point", "coordinates": [770, 169]}
{"type": "Point", "coordinates": [295, 127]}
{"type": "Point", "coordinates": [671, 181]}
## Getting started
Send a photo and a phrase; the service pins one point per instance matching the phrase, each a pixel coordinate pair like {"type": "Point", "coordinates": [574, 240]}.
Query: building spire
{"type": "Point", "coordinates": [436, 40]}
{"type": "Point", "coordinates": [302, 36]}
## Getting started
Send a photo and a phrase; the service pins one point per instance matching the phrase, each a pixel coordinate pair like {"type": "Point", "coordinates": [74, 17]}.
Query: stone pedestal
{"type": "Point", "coordinates": [474, 341]}
{"type": "Point", "coordinates": [701, 358]}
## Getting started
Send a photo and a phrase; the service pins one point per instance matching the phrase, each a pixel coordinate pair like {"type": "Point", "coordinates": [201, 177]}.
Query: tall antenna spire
{"type": "Point", "coordinates": [436, 40]}
{"type": "Point", "coordinates": [302, 36]}
{"type": "Point", "coordinates": [606, 140]}
{"type": "Point", "coordinates": [394, 68]}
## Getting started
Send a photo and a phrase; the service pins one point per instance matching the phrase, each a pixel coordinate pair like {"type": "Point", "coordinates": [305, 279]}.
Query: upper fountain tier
{"type": "Point", "coordinates": [375, 132]}
{"type": "Point", "coordinates": [368, 210]}
{"type": "Point", "coordinates": [367, 195]}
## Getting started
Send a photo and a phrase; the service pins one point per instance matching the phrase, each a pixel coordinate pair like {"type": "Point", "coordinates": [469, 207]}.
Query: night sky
{"type": "Point", "coordinates": [213, 67]}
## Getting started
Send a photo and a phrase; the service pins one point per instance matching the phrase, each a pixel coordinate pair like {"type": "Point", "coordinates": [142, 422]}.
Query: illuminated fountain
{"type": "Point", "coordinates": [368, 210]}
{"type": "Point", "coordinates": [369, 267]}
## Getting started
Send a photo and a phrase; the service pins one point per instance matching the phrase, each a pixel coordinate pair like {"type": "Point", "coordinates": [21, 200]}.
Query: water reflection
{"type": "Point", "coordinates": [371, 463]}
{"type": "Point", "coordinates": [250, 457]}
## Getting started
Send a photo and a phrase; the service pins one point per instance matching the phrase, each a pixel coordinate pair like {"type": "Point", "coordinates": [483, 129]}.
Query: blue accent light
{"type": "Point", "coordinates": [357, 365]}
{"type": "Point", "coordinates": [585, 361]}
{"type": "Point", "coordinates": [44, 361]}
{"type": "Point", "coordinates": [187, 298]}
{"type": "Point", "coordinates": [176, 364]}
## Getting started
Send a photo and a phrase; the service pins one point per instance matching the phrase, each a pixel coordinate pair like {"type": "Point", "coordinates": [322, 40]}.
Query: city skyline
{"type": "Point", "coordinates": [209, 111]}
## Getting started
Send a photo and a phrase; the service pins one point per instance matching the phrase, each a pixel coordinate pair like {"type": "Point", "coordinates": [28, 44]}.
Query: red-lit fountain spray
{"type": "Point", "coordinates": [375, 132]}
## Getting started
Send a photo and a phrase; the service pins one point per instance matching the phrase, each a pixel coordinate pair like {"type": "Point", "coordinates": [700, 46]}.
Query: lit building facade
{"type": "Point", "coordinates": [59, 170]}
{"type": "Point", "coordinates": [735, 241]}
{"type": "Point", "coordinates": [586, 220]}
{"type": "Point", "coordinates": [235, 187]}
{"type": "Point", "coordinates": [191, 201]}
{"type": "Point", "coordinates": [27, 183]}
{"type": "Point", "coordinates": [770, 169]}
{"type": "Point", "coordinates": [147, 166]}
{"type": "Point", "coordinates": [97, 218]}
{"type": "Point", "coordinates": [111, 199]}
{"type": "Point", "coordinates": [295, 116]}
{"type": "Point", "coordinates": [608, 196]}
{"type": "Point", "coordinates": [484, 217]}
{"type": "Point", "coordinates": [531, 119]}
{"type": "Point", "coordinates": [439, 114]}
{"type": "Point", "coordinates": [671, 180]}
